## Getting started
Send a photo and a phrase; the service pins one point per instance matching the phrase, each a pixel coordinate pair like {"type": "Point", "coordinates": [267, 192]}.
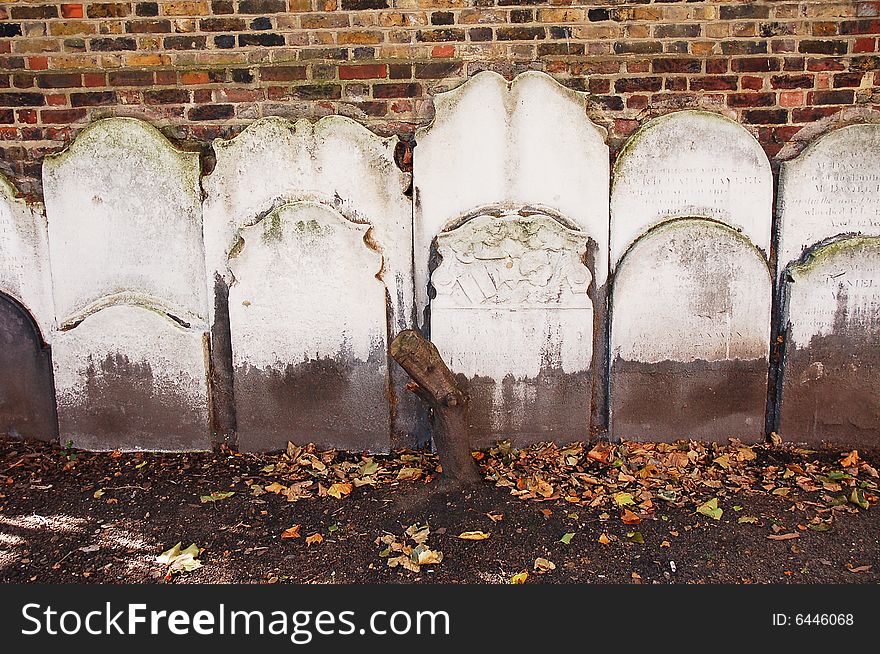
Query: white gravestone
{"type": "Point", "coordinates": [125, 234]}
{"type": "Point", "coordinates": [832, 357]}
{"type": "Point", "coordinates": [309, 332]}
{"type": "Point", "coordinates": [691, 213]}
{"type": "Point", "coordinates": [513, 313]}
{"type": "Point", "coordinates": [24, 258]}
{"type": "Point", "coordinates": [691, 164]}
{"type": "Point", "coordinates": [513, 150]}
{"type": "Point", "coordinates": [27, 396]}
{"type": "Point", "coordinates": [832, 188]}
{"type": "Point", "coordinates": [690, 335]}
{"type": "Point", "coordinates": [343, 166]}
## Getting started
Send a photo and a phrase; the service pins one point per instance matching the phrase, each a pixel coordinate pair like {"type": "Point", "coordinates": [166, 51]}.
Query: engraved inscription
{"type": "Point", "coordinates": [839, 192]}
{"type": "Point", "coordinates": [513, 261]}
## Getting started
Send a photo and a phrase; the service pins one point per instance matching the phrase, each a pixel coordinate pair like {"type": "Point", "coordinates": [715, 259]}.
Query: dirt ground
{"type": "Point", "coordinates": [587, 514]}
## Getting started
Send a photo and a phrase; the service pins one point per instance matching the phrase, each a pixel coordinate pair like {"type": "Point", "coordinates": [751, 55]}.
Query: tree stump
{"type": "Point", "coordinates": [435, 384]}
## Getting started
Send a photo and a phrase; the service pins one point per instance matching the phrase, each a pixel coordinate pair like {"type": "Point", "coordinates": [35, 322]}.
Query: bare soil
{"type": "Point", "coordinates": [75, 517]}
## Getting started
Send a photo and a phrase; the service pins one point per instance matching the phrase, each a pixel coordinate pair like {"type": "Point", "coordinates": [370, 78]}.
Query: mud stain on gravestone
{"type": "Point", "coordinates": [670, 400]}
{"type": "Point", "coordinates": [530, 409]}
{"type": "Point", "coordinates": [830, 392]}
{"type": "Point", "coordinates": [27, 393]}
{"type": "Point", "coordinates": [122, 406]}
{"type": "Point", "coordinates": [338, 402]}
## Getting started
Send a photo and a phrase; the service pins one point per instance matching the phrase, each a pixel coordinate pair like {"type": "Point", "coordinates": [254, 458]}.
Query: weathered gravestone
{"type": "Point", "coordinates": [692, 293]}
{"type": "Point", "coordinates": [131, 346]}
{"type": "Point", "coordinates": [829, 268]}
{"type": "Point", "coordinates": [27, 395]}
{"type": "Point", "coordinates": [309, 247]}
{"type": "Point", "coordinates": [511, 193]}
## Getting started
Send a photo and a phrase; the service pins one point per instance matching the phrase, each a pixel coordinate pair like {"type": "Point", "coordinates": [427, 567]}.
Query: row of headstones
{"type": "Point", "coordinates": [263, 309]}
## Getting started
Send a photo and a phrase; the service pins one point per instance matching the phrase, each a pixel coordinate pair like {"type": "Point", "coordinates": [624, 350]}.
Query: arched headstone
{"type": "Point", "coordinates": [689, 335]}
{"type": "Point", "coordinates": [515, 175]}
{"type": "Point", "coordinates": [333, 286]}
{"type": "Point", "coordinates": [27, 395]}
{"type": "Point", "coordinates": [691, 209]}
{"type": "Point", "coordinates": [131, 344]}
{"type": "Point", "coordinates": [309, 332]}
{"type": "Point", "coordinates": [829, 270]}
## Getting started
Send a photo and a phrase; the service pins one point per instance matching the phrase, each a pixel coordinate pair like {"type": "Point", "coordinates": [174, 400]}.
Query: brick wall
{"type": "Point", "coordinates": [199, 69]}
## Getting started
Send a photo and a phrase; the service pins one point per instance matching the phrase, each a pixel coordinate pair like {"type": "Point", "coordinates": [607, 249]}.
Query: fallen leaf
{"type": "Point", "coordinates": [519, 578]}
{"type": "Point", "coordinates": [600, 453]}
{"type": "Point", "coordinates": [275, 487]}
{"type": "Point", "coordinates": [409, 474]}
{"type": "Point", "coordinates": [180, 560]}
{"type": "Point", "coordinates": [747, 520]}
{"type": "Point", "coordinates": [636, 537]}
{"type": "Point", "coordinates": [314, 538]}
{"type": "Point", "coordinates": [495, 517]}
{"type": "Point", "coordinates": [850, 460]}
{"type": "Point", "coordinates": [604, 539]}
{"type": "Point", "coordinates": [624, 499]}
{"type": "Point", "coordinates": [566, 538]}
{"type": "Point", "coordinates": [630, 518]}
{"type": "Point", "coordinates": [543, 565]}
{"type": "Point", "coordinates": [861, 568]}
{"type": "Point", "coordinates": [473, 535]}
{"type": "Point", "coordinates": [339, 490]}
{"type": "Point", "coordinates": [783, 536]}
{"type": "Point", "coordinates": [216, 496]}
{"type": "Point", "coordinates": [427, 556]}
{"type": "Point", "coordinates": [292, 532]}
{"type": "Point", "coordinates": [711, 509]}
{"type": "Point", "coordinates": [98, 494]}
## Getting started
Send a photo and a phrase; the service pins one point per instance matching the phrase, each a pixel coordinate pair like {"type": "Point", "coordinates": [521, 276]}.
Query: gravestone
{"type": "Point", "coordinates": [831, 189]}
{"type": "Point", "coordinates": [131, 343]}
{"type": "Point", "coordinates": [690, 164]}
{"type": "Point", "coordinates": [832, 356]}
{"type": "Point", "coordinates": [514, 314]}
{"type": "Point", "coordinates": [690, 334]}
{"type": "Point", "coordinates": [309, 332]}
{"type": "Point", "coordinates": [330, 202]}
{"type": "Point", "coordinates": [691, 208]}
{"type": "Point", "coordinates": [27, 395]}
{"type": "Point", "coordinates": [522, 161]}
{"type": "Point", "coordinates": [829, 203]}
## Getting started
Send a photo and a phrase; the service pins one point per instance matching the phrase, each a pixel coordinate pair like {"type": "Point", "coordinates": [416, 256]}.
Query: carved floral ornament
{"type": "Point", "coordinates": [513, 260]}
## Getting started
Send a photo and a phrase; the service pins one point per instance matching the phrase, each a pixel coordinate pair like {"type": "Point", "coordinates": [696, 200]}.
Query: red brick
{"type": "Point", "coordinates": [366, 71]}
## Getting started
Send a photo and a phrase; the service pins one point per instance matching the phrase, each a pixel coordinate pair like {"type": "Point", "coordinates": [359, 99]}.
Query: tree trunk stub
{"type": "Point", "coordinates": [436, 385]}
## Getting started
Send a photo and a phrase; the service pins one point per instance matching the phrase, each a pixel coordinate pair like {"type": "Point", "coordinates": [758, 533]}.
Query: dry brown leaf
{"type": "Point", "coordinates": [630, 518]}
{"type": "Point", "coordinates": [783, 536]}
{"type": "Point", "coordinates": [292, 532]}
{"type": "Point", "coordinates": [314, 538]}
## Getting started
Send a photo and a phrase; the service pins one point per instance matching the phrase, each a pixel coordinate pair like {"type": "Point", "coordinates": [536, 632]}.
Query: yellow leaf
{"type": "Point", "coordinates": [665, 543]}
{"type": "Point", "coordinates": [473, 535]}
{"type": "Point", "coordinates": [339, 490]}
{"type": "Point", "coordinates": [519, 578]}
{"type": "Point", "coordinates": [604, 539]}
{"type": "Point", "coordinates": [544, 565]}
{"type": "Point", "coordinates": [275, 487]}
{"type": "Point", "coordinates": [543, 488]}
{"type": "Point", "coordinates": [409, 474]}
{"type": "Point", "coordinates": [314, 538]}
{"type": "Point", "coordinates": [292, 532]}
{"type": "Point", "coordinates": [850, 460]}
